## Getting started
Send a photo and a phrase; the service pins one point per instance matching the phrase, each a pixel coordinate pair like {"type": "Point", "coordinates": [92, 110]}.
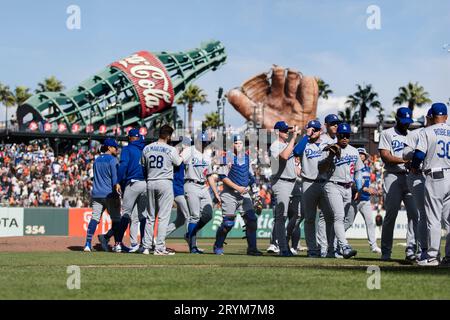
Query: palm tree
{"type": "Point", "coordinates": [324, 88]}
{"type": "Point", "coordinates": [21, 94]}
{"type": "Point", "coordinates": [362, 100]}
{"type": "Point", "coordinates": [193, 94]}
{"type": "Point", "coordinates": [413, 94]}
{"type": "Point", "coordinates": [212, 120]}
{"type": "Point", "coordinates": [7, 99]}
{"type": "Point", "coordinates": [50, 85]}
{"type": "Point", "coordinates": [349, 116]}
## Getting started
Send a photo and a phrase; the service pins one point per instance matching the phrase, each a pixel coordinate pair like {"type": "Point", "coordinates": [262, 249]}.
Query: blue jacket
{"type": "Point", "coordinates": [365, 172]}
{"type": "Point", "coordinates": [178, 180]}
{"type": "Point", "coordinates": [130, 167]}
{"type": "Point", "coordinates": [105, 176]}
{"type": "Point", "coordinates": [240, 171]}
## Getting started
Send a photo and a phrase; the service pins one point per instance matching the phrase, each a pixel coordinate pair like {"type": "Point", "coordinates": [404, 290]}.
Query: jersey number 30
{"type": "Point", "coordinates": [445, 149]}
{"type": "Point", "coordinates": [155, 162]}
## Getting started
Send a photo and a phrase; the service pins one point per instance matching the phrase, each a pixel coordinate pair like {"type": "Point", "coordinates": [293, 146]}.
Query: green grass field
{"type": "Point", "coordinates": [232, 276]}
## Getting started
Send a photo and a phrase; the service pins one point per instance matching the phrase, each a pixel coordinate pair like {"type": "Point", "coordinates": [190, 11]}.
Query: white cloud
{"type": "Point", "coordinates": [330, 105]}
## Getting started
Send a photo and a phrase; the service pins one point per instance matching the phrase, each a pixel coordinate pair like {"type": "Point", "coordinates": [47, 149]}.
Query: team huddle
{"type": "Point", "coordinates": [320, 179]}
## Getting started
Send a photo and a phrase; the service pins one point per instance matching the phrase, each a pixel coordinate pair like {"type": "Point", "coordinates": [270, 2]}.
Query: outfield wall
{"type": "Point", "coordinates": [74, 222]}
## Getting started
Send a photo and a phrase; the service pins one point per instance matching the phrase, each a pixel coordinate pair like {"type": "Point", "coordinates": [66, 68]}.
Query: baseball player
{"type": "Point", "coordinates": [362, 204]}
{"type": "Point", "coordinates": [395, 186]}
{"type": "Point", "coordinates": [158, 159]}
{"type": "Point", "coordinates": [283, 180]}
{"type": "Point", "coordinates": [309, 149]}
{"type": "Point", "coordinates": [131, 177]}
{"type": "Point", "coordinates": [198, 171]}
{"type": "Point", "coordinates": [295, 216]}
{"type": "Point", "coordinates": [433, 149]}
{"type": "Point", "coordinates": [416, 183]}
{"type": "Point", "coordinates": [327, 138]}
{"type": "Point", "coordinates": [342, 168]}
{"type": "Point", "coordinates": [237, 176]}
{"type": "Point", "coordinates": [104, 195]}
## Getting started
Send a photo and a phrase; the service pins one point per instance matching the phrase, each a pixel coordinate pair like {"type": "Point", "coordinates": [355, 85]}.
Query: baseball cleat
{"type": "Point", "coordinates": [376, 250]}
{"type": "Point", "coordinates": [273, 249]}
{"type": "Point", "coordinates": [117, 248]}
{"type": "Point", "coordinates": [301, 248]}
{"type": "Point", "coordinates": [163, 253]}
{"type": "Point", "coordinates": [196, 250]}
{"type": "Point", "coordinates": [145, 251]}
{"type": "Point", "coordinates": [103, 241]}
{"type": "Point", "coordinates": [411, 258]}
{"type": "Point", "coordinates": [87, 249]}
{"type": "Point", "coordinates": [445, 262]}
{"type": "Point", "coordinates": [254, 252]}
{"type": "Point", "coordinates": [348, 252]}
{"type": "Point", "coordinates": [294, 252]}
{"type": "Point", "coordinates": [430, 262]}
{"type": "Point", "coordinates": [134, 248]}
{"type": "Point", "coordinates": [218, 251]}
{"type": "Point", "coordinates": [385, 257]}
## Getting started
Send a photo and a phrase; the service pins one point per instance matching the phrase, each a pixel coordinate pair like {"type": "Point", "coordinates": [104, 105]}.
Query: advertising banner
{"type": "Point", "coordinates": [11, 222]}
{"type": "Point", "coordinates": [46, 221]}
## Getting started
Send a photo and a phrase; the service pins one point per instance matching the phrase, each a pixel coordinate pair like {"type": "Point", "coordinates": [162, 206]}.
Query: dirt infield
{"type": "Point", "coordinates": [61, 244]}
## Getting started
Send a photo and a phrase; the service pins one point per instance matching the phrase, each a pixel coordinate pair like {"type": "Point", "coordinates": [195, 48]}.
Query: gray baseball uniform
{"type": "Point", "coordinates": [416, 183]}
{"type": "Point", "coordinates": [395, 189]}
{"type": "Point", "coordinates": [338, 189]}
{"type": "Point", "coordinates": [197, 169]}
{"type": "Point", "coordinates": [434, 141]}
{"type": "Point", "coordinates": [366, 210]}
{"type": "Point", "coordinates": [139, 213]}
{"type": "Point", "coordinates": [295, 216]}
{"type": "Point", "coordinates": [182, 214]}
{"type": "Point", "coordinates": [158, 160]}
{"type": "Point", "coordinates": [313, 193]}
{"type": "Point", "coordinates": [283, 181]}
{"type": "Point", "coordinates": [134, 205]}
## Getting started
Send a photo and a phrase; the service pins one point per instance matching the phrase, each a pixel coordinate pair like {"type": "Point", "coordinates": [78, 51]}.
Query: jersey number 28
{"type": "Point", "coordinates": [445, 149]}
{"type": "Point", "coordinates": [155, 162]}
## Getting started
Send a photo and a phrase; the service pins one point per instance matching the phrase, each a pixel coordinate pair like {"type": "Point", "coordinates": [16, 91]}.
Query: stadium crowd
{"type": "Point", "coordinates": [31, 175]}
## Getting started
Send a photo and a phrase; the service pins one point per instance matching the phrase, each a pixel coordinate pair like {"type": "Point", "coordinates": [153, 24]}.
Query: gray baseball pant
{"type": "Point", "coordinates": [182, 214]}
{"type": "Point", "coordinates": [313, 197]}
{"type": "Point", "coordinates": [366, 210]}
{"type": "Point", "coordinates": [295, 218]}
{"type": "Point", "coordinates": [437, 207]}
{"type": "Point", "coordinates": [160, 201]}
{"type": "Point", "coordinates": [395, 189]}
{"type": "Point", "coordinates": [112, 205]}
{"type": "Point", "coordinates": [233, 200]}
{"type": "Point", "coordinates": [321, 236]}
{"type": "Point", "coordinates": [282, 191]}
{"type": "Point", "coordinates": [199, 202]}
{"type": "Point", "coordinates": [416, 183]}
{"type": "Point", "coordinates": [134, 204]}
{"type": "Point", "coordinates": [338, 199]}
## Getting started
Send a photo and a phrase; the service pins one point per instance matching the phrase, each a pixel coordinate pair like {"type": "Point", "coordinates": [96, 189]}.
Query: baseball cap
{"type": "Point", "coordinates": [439, 109]}
{"type": "Point", "coordinates": [133, 132]}
{"type": "Point", "coordinates": [404, 115]}
{"type": "Point", "coordinates": [362, 150]}
{"type": "Point", "coordinates": [430, 113]}
{"type": "Point", "coordinates": [110, 142]}
{"type": "Point", "coordinates": [314, 124]}
{"type": "Point", "coordinates": [344, 128]}
{"type": "Point", "coordinates": [238, 137]}
{"type": "Point", "coordinates": [331, 118]}
{"type": "Point", "coordinates": [282, 126]}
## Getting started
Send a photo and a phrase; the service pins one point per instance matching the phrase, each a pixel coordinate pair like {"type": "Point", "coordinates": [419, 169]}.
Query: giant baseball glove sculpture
{"type": "Point", "coordinates": [288, 96]}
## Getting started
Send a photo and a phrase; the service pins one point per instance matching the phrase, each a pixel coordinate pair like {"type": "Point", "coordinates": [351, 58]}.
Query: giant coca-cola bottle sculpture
{"type": "Point", "coordinates": [129, 92]}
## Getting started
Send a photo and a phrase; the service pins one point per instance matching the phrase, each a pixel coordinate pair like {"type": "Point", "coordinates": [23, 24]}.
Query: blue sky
{"type": "Point", "coordinates": [327, 39]}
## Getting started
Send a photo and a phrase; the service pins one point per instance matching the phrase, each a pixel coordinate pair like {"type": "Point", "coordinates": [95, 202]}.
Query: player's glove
{"type": "Point", "coordinates": [334, 149]}
{"type": "Point", "coordinates": [258, 205]}
{"type": "Point", "coordinates": [378, 220]}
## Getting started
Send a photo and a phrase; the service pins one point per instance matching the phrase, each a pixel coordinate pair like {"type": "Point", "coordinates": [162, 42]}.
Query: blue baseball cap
{"type": "Point", "coordinates": [282, 126]}
{"type": "Point", "coordinates": [110, 142]}
{"type": "Point", "coordinates": [331, 118]}
{"type": "Point", "coordinates": [344, 128]}
{"type": "Point", "coordinates": [404, 115]}
{"type": "Point", "coordinates": [439, 109]}
{"type": "Point", "coordinates": [133, 133]}
{"type": "Point", "coordinates": [314, 124]}
{"type": "Point", "coordinates": [238, 137]}
{"type": "Point", "coordinates": [430, 113]}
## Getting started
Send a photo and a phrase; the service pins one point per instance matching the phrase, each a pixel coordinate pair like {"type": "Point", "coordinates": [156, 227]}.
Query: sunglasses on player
{"type": "Point", "coordinates": [343, 136]}
{"type": "Point", "coordinates": [332, 124]}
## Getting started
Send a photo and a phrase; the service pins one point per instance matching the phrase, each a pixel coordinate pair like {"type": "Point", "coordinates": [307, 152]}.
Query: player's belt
{"type": "Point", "coordinates": [314, 180]}
{"type": "Point", "coordinates": [288, 180]}
{"type": "Point", "coordinates": [346, 185]}
{"type": "Point", "coordinates": [429, 171]}
{"type": "Point", "coordinates": [195, 181]}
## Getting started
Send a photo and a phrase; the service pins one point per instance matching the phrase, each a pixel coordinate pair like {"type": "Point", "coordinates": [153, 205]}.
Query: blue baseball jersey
{"type": "Point", "coordinates": [178, 180]}
{"type": "Point", "coordinates": [238, 169]}
{"type": "Point", "coordinates": [105, 176]}
{"type": "Point", "coordinates": [365, 175]}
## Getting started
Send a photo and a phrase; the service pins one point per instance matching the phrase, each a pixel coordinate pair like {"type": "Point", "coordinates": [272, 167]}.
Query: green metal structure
{"type": "Point", "coordinates": [119, 94]}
